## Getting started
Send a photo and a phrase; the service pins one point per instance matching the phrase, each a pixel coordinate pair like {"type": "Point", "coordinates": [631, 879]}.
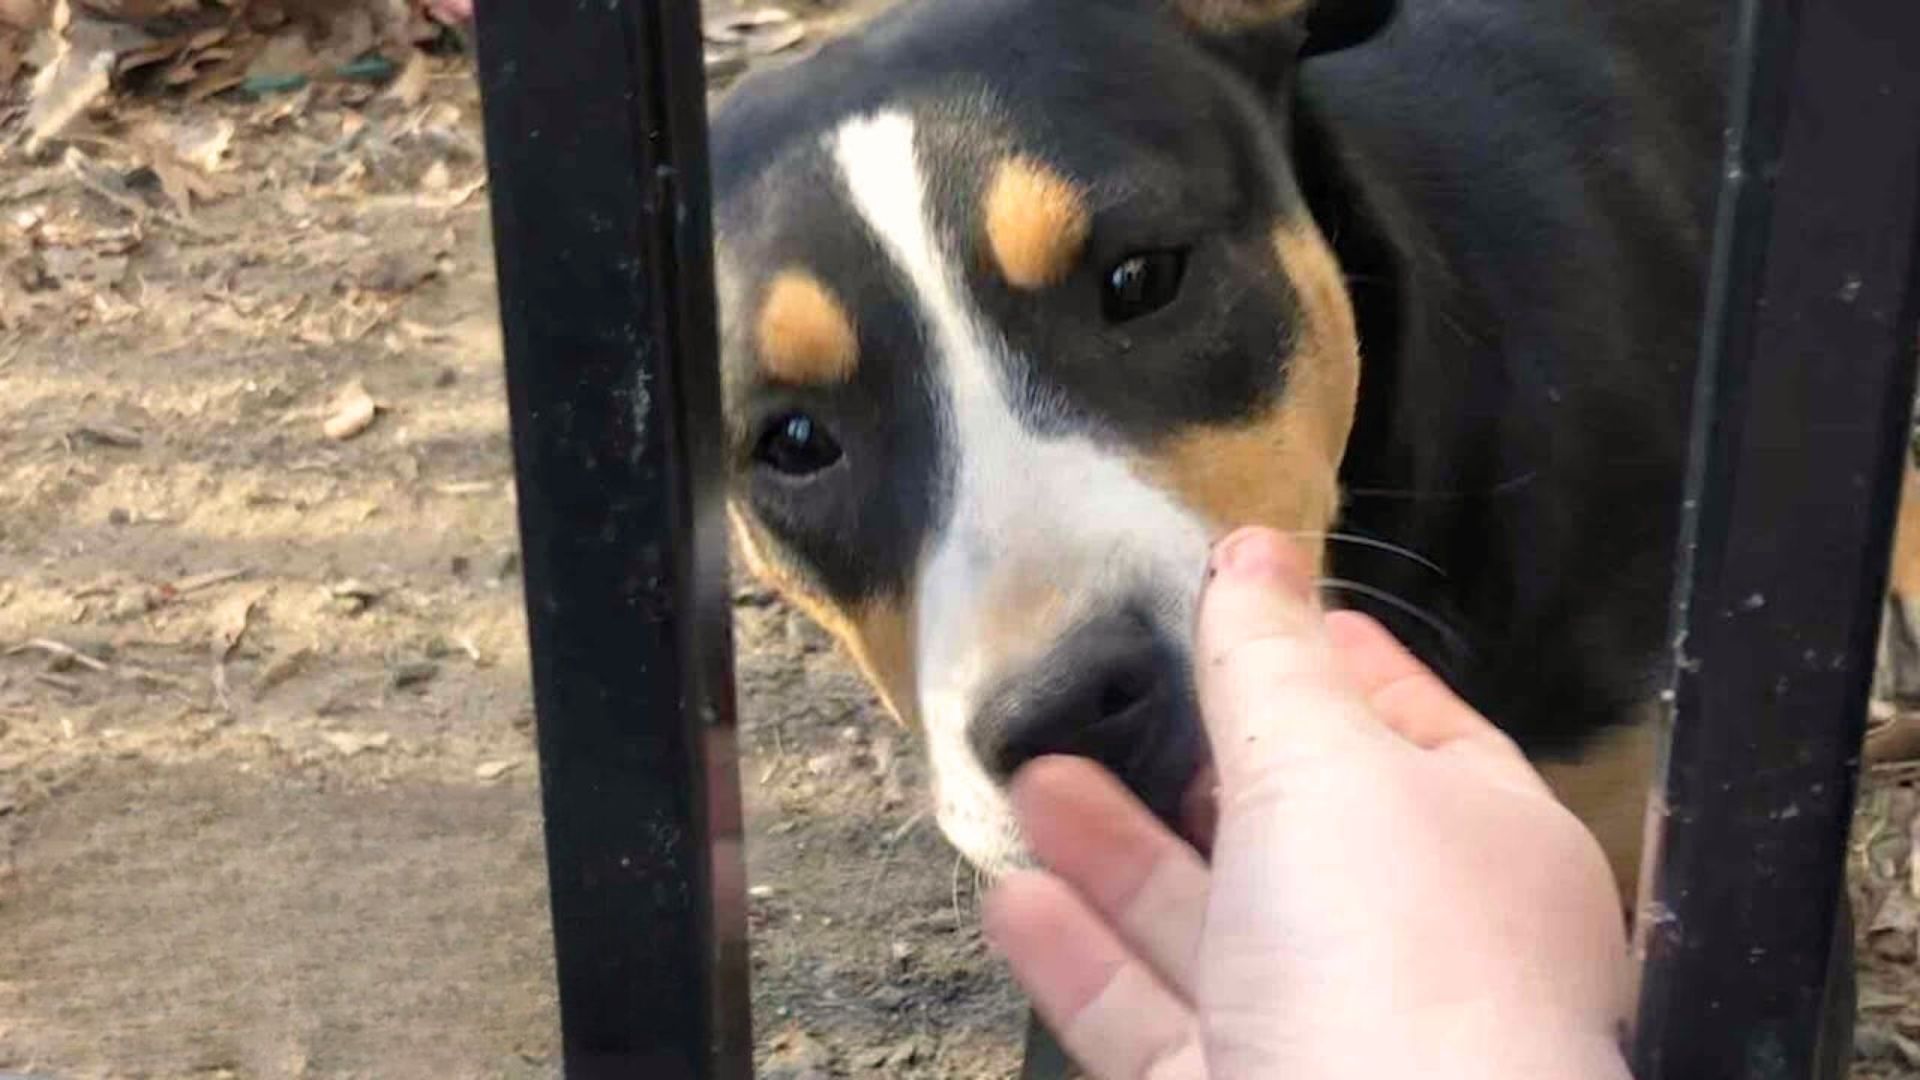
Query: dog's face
{"type": "Point", "coordinates": [1022, 309]}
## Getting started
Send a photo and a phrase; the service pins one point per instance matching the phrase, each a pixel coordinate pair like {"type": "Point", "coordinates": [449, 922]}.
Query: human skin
{"type": "Point", "coordinates": [1392, 889]}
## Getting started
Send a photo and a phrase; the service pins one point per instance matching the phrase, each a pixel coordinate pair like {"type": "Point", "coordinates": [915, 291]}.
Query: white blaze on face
{"type": "Point", "coordinates": [1024, 508]}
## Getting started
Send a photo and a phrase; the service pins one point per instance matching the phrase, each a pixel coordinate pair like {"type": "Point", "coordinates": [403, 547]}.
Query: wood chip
{"type": "Point", "coordinates": [355, 589]}
{"type": "Point", "coordinates": [108, 435]}
{"type": "Point", "coordinates": [411, 675]}
{"type": "Point", "coordinates": [351, 744]}
{"type": "Point", "coordinates": [59, 650]}
{"type": "Point", "coordinates": [199, 582]}
{"type": "Point", "coordinates": [1895, 738]}
{"type": "Point", "coordinates": [410, 86]}
{"type": "Point", "coordinates": [353, 413]}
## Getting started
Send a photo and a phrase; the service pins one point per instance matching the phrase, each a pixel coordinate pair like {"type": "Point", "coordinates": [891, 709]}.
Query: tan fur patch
{"type": "Point", "coordinates": [1024, 618]}
{"type": "Point", "coordinates": [1226, 16]}
{"type": "Point", "coordinates": [804, 334]}
{"type": "Point", "coordinates": [1037, 222]}
{"type": "Point", "coordinates": [1607, 790]}
{"type": "Point", "coordinates": [1282, 469]}
{"type": "Point", "coordinates": [877, 634]}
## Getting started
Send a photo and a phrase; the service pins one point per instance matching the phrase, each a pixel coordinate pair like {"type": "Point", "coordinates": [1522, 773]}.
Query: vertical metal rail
{"type": "Point", "coordinates": [1801, 427]}
{"type": "Point", "coordinates": [596, 142]}
{"type": "Point", "coordinates": [1043, 1058]}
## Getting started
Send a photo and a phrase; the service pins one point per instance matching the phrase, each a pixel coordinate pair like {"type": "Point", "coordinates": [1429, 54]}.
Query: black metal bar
{"type": "Point", "coordinates": [1043, 1057]}
{"type": "Point", "coordinates": [1801, 427]}
{"type": "Point", "coordinates": [596, 140]}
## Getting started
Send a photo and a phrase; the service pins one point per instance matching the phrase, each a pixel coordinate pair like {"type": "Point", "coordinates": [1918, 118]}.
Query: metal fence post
{"type": "Point", "coordinates": [596, 142]}
{"type": "Point", "coordinates": [595, 131]}
{"type": "Point", "coordinates": [1802, 413]}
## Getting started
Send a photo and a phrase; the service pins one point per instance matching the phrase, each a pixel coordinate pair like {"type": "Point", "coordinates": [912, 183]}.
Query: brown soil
{"type": "Point", "coordinates": [275, 813]}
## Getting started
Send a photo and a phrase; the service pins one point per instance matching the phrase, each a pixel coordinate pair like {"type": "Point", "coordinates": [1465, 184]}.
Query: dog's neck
{"type": "Point", "coordinates": [1399, 486]}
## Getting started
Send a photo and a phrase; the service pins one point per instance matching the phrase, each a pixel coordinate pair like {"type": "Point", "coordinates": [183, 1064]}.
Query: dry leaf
{"type": "Point", "coordinates": [452, 197]}
{"type": "Point", "coordinates": [353, 413]}
{"type": "Point", "coordinates": [410, 86]}
{"type": "Point", "coordinates": [1892, 934]}
{"type": "Point", "coordinates": [78, 76]}
{"type": "Point", "coordinates": [183, 184]}
{"type": "Point", "coordinates": [760, 32]}
{"type": "Point", "coordinates": [278, 110]}
{"type": "Point", "coordinates": [232, 621]}
{"type": "Point", "coordinates": [1913, 857]}
{"type": "Point", "coordinates": [349, 744]}
{"type": "Point", "coordinates": [59, 651]}
{"type": "Point", "coordinates": [741, 24]}
{"type": "Point", "coordinates": [203, 145]}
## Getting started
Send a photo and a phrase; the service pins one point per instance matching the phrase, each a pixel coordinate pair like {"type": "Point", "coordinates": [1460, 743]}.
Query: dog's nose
{"type": "Point", "coordinates": [1111, 690]}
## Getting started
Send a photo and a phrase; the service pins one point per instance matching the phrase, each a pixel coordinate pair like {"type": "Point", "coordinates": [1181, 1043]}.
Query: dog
{"type": "Point", "coordinates": [1026, 302]}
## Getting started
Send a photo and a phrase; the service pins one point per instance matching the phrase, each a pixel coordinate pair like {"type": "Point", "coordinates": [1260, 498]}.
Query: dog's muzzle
{"type": "Point", "coordinates": [1112, 690]}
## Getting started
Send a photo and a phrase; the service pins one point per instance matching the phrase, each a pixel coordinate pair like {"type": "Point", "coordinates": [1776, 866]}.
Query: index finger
{"type": "Point", "coordinates": [1271, 694]}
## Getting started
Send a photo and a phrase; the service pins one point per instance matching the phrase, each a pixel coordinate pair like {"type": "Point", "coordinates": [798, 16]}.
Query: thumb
{"type": "Point", "coordinates": [1270, 690]}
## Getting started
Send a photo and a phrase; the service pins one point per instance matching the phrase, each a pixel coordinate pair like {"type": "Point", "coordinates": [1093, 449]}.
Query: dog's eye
{"type": "Point", "coordinates": [795, 444]}
{"type": "Point", "coordinates": [1142, 284]}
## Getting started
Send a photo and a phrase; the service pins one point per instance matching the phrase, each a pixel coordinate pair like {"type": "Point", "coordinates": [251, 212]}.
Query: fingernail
{"type": "Point", "coordinates": [1257, 555]}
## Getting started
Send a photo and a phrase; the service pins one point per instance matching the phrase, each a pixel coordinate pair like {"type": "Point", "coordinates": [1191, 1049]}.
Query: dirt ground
{"type": "Point", "coordinates": [267, 791]}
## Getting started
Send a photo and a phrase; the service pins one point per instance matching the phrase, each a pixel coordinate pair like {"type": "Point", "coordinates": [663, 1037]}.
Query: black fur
{"type": "Point", "coordinates": [1521, 193]}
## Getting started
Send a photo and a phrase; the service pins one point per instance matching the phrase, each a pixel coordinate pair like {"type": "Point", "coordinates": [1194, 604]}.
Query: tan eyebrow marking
{"type": "Point", "coordinates": [1037, 223]}
{"type": "Point", "coordinates": [805, 334]}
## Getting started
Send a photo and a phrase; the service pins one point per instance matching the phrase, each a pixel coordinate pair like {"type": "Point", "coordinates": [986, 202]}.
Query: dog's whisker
{"type": "Point", "coordinates": [1433, 622]}
{"type": "Point", "coordinates": [1373, 542]}
{"type": "Point", "coordinates": [1504, 487]}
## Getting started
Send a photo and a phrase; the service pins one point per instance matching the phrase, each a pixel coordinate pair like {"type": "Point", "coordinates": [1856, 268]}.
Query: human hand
{"type": "Point", "coordinates": [1393, 889]}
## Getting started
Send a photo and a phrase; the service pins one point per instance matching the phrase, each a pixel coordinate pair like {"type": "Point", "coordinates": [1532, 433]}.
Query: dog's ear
{"type": "Point", "coordinates": [1314, 26]}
